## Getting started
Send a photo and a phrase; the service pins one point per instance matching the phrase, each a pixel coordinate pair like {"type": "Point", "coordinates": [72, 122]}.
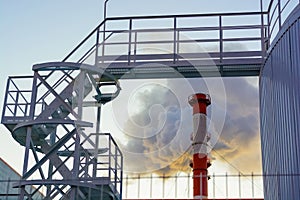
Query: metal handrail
{"type": "Point", "coordinates": [176, 29]}
{"type": "Point", "coordinates": [275, 16]}
{"type": "Point", "coordinates": [18, 101]}
{"type": "Point", "coordinates": [267, 29]}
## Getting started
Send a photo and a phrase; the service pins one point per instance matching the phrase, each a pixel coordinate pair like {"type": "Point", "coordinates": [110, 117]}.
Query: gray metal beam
{"type": "Point", "coordinates": [185, 72]}
{"type": "Point", "coordinates": [49, 151]}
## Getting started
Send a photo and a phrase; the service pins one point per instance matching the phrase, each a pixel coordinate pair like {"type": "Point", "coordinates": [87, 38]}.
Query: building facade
{"type": "Point", "coordinates": [280, 112]}
{"type": "Point", "coordinates": [7, 177]}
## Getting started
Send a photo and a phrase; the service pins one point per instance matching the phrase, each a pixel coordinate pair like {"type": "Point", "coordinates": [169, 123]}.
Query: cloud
{"type": "Point", "coordinates": [158, 132]}
{"type": "Point", "coordinates": [239, 142]}
{"type": "Point", "coordinates": [156, 135]}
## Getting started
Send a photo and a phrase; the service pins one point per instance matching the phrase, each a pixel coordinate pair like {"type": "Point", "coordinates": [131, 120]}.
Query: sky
{"type": "Point", "coordinates": [41, 31]}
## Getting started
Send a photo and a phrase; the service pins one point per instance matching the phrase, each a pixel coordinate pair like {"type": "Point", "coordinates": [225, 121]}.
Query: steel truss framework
{"type": "Point", "coordinates": [46, 118]}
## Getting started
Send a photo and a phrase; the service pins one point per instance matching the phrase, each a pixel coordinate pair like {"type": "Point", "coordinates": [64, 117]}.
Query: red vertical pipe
{"type": "Point", "coordinates": [199, 102]}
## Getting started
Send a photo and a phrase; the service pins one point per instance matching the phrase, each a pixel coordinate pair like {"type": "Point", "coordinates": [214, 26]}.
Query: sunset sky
{"type": "Point", "coordinates": [41, 31]}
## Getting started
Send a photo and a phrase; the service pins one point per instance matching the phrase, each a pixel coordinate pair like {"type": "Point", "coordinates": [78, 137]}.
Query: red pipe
{"type": "Point", "coordinates": [199, 102]}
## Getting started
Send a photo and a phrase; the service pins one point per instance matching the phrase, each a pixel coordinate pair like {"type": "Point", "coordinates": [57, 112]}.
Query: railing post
{"type": "Point", "coordinates": [151, 178]}
{"type": "Point", "coordinates": [103, 40]}
{"type": "Point", "coordinates": [262, 32]}
{"type": "Point", "coordinates": [129, 42]}
{"type": "Point", "coordinates": [97, 47]}
{"type": "Point", "coordinates": [163, 186]}
{"type": "Point", "coordinates": [226, 185]}
{"type": "Point", "coordinates": [16, 102]}
{"type": "Point", "coordinates": [252, 180]}
{"type": "Point", "coordinates": [135, 46]}
{"type": "Point", "coordinates": [279, 13]}
{"type": "Point", "coordinates": [188, 185]}
{"type": "Point", "coordinates": [176, 177]}
{"type": "Point", "coordinates": [33, 96]}
{"type": "Point", "coordinates": [96, 147]}
{"type": "Point", "coordinates": [109, 159]}
{"type": "Point", "coordinates": [116, 167]}
{"type": "Point", "coordinates": [240, 189]}
{"type": "Point", "coordinates": [121, 174]}
{"type": "Point", "coordinates": [6, 96]}
{"type": "Point", "coordinates": [175, 40]}
{"type": "Point", "coordinates": [126, 187]}
{"type": "Point", "coordinates": [177, 44]}
{"type": "Point", "coordinates": [105, 9]}
{"type": "Point", "coordinates": [221, 38]}
{"type": "Point", "coordinates": [268, 26]}
{"type": "Point", "coordinates": [214, 186]}
{"type": "Point", "coordinates": [138, 188]}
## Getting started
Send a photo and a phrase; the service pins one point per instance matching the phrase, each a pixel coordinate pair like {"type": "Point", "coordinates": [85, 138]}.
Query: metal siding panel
{"type": "Point", "coordinates": [295, 46]}
{"type": "Point", "coordinates": [280, 114]}
{"type": "Point", "coordinates": [291, 121]}
{"type": "Point", "coordinates": [277, 74]}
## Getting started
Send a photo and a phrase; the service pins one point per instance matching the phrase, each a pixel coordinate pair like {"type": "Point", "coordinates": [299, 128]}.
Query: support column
{"type": "Point", "coordinates": [26, 159]}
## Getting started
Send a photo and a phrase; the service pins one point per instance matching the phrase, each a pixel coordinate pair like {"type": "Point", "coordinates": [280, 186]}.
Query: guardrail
{"type": "Point", "coordinates": [122, 40]}
{"type": "Point", "coordinates": [109, 160]}
{"type": "Point", "coordinates": [23, 102]}
{"type": "Point", "coordinates": [278, 11]}
{"type": "Point", "coordinates": [126, 40]}
{"type": "Point", "coordinates": [17, 100]}
{"type": "Point", "coordinates": [212, 38]}
{"type": "Point", "coordinates": [221, 186]}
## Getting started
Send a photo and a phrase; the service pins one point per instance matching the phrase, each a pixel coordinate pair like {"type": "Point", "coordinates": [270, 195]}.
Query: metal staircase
{"type": "Point", "coordinates": [44, 112]}
{"type": "Point", "coordinates": [46, 118]}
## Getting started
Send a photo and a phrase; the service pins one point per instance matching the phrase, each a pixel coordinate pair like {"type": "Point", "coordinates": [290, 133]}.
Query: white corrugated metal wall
{"type": "Point", "coordinates": [280, 113]}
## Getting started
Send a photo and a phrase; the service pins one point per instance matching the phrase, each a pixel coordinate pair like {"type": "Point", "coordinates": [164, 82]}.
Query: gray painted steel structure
{"type": "Point", "coordinates": [44, 113]}
{"type": "Point", "coordinates": [177, 48]}
{"type": "Point", "coordinates": [280, 113]}
{"type": "Point", "coordinates": [47, 117]}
